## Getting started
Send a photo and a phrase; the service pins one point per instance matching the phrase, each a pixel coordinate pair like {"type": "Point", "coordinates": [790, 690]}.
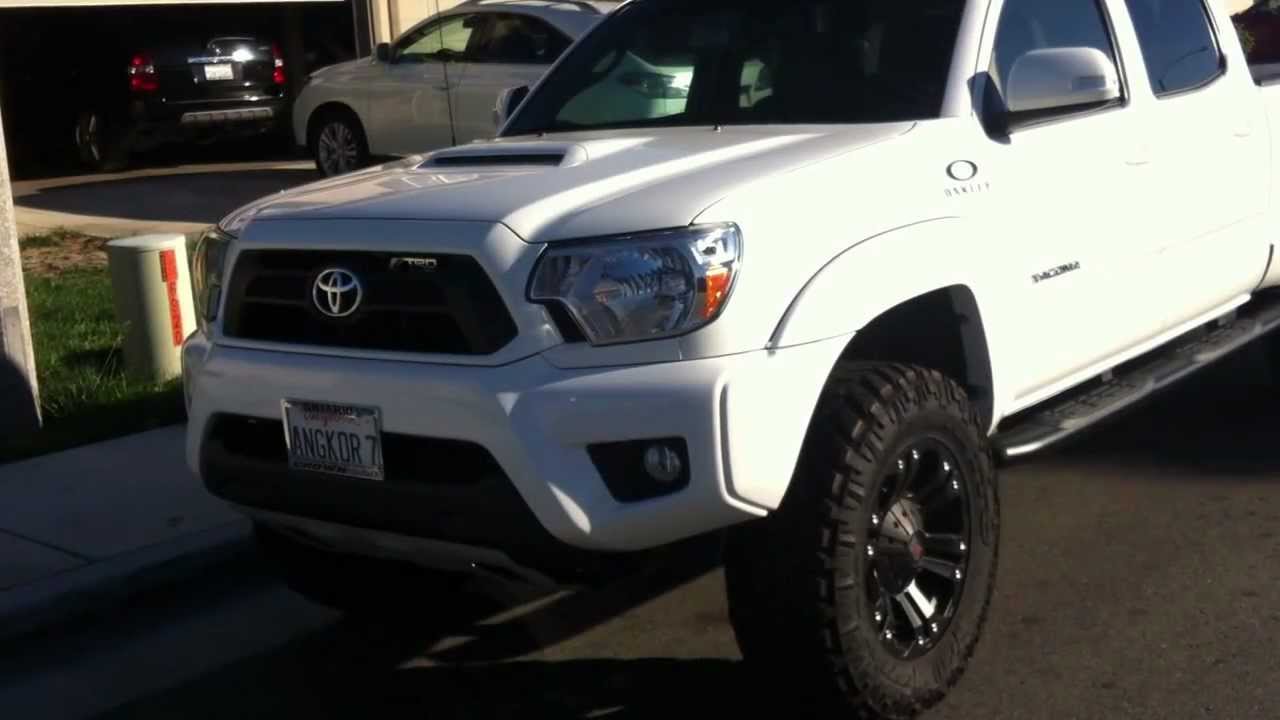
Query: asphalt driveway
{"type": "Point", "coordinates": [1138, 579]}
{"type": "Point", "coordinates": [181, 198]}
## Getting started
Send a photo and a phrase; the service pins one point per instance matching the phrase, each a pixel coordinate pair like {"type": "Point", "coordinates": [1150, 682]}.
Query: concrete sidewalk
{"type": "Point", "coordinates": [90, 527]}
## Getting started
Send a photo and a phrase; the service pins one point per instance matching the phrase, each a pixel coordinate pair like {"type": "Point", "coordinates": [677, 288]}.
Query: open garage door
{"type": "Point", "coordinates": [62, 60]}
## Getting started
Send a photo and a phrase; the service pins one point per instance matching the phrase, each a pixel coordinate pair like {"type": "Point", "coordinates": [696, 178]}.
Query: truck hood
{"type": "Point", "coordinates": [572, 185]}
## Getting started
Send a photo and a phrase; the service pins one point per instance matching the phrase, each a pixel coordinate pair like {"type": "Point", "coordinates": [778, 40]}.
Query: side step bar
{"type": "Point", "coordinates": [1039, 427]}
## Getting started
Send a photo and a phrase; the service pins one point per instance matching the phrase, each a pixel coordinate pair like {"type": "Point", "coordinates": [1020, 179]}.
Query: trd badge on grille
{"type": "Point", "coordinates": [337, 292]}
{"type": "Point", "coordinates": [425, 264]}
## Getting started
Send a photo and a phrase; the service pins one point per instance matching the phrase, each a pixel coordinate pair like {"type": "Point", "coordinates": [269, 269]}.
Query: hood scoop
{"type": "Point", "coordinates": [507, 155]}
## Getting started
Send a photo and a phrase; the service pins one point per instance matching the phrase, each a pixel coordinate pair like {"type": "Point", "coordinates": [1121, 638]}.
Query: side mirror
{"type": "Point", "coordinates": [382, 52]}
{"type": "Point", "coordinates": [1060, 79]}
{"type": "Point", "coordinates": [508, 101]}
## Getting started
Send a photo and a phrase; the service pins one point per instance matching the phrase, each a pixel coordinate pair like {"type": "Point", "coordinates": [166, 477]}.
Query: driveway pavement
{"type": "Point", "coordinates": [1138, 578]}
{"type": "Point", "coordinates": [181, 198]}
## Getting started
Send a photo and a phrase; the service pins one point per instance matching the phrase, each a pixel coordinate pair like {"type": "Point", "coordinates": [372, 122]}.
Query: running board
{"type": "Point", "coordinates": [1039, 427]}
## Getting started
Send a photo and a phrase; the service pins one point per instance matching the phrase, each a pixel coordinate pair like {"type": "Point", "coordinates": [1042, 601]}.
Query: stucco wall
{"type": "Point", "coordinates": [392, 17]}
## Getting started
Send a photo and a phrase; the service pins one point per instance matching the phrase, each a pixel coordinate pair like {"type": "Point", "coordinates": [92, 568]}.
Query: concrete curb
{"type": "Point", "coordinates": [110, 583]}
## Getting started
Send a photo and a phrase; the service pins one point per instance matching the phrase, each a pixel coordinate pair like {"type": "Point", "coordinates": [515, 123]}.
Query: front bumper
{"type": "Point", "coordinates": [742, 416]}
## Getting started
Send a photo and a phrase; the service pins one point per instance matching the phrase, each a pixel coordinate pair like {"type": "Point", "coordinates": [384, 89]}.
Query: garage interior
{"type": "Point", "coordinates": [46, 45]}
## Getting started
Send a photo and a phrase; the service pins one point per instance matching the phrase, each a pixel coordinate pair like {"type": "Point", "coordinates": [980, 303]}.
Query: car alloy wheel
{"type": "Point", "coordinates": [337, 149]}
{"type": "Point", "coordinates": [88, 138]}
{"type": "Point", "coordinates": [918, 542]}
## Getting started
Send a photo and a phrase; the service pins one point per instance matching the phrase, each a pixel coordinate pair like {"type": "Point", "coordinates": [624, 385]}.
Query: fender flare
{"type": "Point", "coordinates": [855, 282]}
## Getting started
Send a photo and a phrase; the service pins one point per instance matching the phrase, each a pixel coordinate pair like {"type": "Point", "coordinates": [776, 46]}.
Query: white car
{"type": "Point", "coordinates": [436, 85]}
{"type": "Point", "coordinates": [858, 254]}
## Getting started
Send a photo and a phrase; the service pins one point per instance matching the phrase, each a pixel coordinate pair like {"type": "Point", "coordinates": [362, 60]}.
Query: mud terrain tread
{"type": "Point", "coordinates": [854, 420]}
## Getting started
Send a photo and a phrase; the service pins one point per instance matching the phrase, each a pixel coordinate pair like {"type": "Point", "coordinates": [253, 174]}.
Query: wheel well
{"type": "Point", "coordinates": [327, 109]}
{"type": "Point", "coordinates": [941, 330]}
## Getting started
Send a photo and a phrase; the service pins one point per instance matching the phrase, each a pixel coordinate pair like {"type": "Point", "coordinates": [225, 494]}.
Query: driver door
{"type": "Point", "coordinates": [1078, 244]}
{"type": "Point", "coordinates": [410, 101]}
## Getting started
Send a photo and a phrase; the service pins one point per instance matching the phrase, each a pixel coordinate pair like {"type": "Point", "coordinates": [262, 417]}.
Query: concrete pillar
{"type": "Point", "coordinates": [19, 394]}
{"type": "Point", "coordinates": [362, 19]}
{"type": "Point", "coordinates": [293, 47]}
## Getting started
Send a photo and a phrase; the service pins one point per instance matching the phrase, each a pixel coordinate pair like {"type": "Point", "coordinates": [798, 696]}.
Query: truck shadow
{"type": "Point", "coordinates": [641, 689]}
{"type": "Point", "coordinates": [467, 656]}
{"type": "Point", "coordinates": [1223, 421]}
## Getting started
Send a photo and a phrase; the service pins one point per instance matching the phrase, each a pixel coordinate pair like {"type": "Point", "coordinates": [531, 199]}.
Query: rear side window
{"type": "Point", "coordinates": [1027, 25]}
{"type": "Point", "coordinates": [521, 40]}
{"type": "Point", "coordinates": [1177, 43]}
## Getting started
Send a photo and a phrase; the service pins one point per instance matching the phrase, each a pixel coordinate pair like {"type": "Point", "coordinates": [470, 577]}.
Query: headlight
{"type": "Point", "coordinates": [642, 287]}
{"type": "Point", "coordinates": [207, 265]}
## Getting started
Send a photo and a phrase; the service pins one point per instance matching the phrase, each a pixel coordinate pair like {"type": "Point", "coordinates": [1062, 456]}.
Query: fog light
{"type": "Point", "coordinates": [635, 470]}
{"type": "Point", "coordinates": [663, 464]}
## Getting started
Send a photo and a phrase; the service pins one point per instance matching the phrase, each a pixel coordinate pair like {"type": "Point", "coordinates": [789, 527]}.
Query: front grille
{"type": "Point", "coordinates": [407, 459]}
{"type": "Point", "coordinates": [448, 307]}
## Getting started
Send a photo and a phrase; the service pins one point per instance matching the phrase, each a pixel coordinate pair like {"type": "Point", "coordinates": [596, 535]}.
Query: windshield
{"type": "Point", "coordinates": [704, 62]}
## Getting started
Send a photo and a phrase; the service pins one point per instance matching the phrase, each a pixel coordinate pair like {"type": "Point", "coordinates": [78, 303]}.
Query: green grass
{"type": "Point", "coordinates": [85, 395]}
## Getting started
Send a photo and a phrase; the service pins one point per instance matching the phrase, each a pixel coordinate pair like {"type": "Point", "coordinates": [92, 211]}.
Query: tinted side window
{"type": "Point", "coordinates": [520, 39]}
{"type": "Point", "coordinates": [1177, 43]}
{"type": "Point", "coordinates": [1027, 25]}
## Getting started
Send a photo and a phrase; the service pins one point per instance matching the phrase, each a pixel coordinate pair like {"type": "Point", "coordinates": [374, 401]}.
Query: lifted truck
{"type": "Point", "coordinates": [814, 319]}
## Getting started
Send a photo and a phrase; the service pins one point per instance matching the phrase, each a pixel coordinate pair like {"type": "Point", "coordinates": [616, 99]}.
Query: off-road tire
{"type": "Point", "coordinates": [346, 127]}
{"type": "Point", "coordinates": [351, 584]}
{"type": "Point", "coordinates": [797, 579]}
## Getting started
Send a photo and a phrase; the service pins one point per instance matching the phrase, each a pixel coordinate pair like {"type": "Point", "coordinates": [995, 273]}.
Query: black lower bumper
{"type": "Point", "coordinates": [213, 117]}
{"type": "Point", "coordinates": [434, 489]}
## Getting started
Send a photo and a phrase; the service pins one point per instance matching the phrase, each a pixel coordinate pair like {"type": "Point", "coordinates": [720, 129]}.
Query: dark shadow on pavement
{"type": "Point", "coordinates": [387, 668]}
{"type": "Point", "coordinates": [1223, 420]}
{"type": "Point", "coordinates": [640, 689]}
{"type": "Point", "coordinates": [198, 197]}
{"type": "Point", "coordinates": [46, 158]}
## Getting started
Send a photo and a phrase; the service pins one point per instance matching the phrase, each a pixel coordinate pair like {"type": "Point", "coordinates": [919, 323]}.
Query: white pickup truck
{"type": "Point", "coordinates": [860, 254]}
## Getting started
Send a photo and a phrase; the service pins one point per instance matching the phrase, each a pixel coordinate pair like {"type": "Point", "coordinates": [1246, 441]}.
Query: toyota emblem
{"type": "Point", "coordinates": [337, 292]}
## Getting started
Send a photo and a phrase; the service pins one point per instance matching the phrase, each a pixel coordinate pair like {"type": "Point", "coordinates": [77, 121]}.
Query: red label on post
{"type": "Point", "coordinates": [169, 273]}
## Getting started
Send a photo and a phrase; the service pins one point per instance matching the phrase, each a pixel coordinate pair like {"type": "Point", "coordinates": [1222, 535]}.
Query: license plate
{"type": "Point", "coordinates": [218, 72]}
{"type": "Point", "coordinates": [334, 438]}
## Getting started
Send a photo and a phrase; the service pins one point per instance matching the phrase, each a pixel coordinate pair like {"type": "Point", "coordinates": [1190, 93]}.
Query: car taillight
{"type": "Point", "coordinates": [142, 74]}
{"type": "Point", "coordinates": [277, 75]}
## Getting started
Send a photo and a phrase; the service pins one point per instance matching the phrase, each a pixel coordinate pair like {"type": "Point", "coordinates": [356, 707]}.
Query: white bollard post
{"type": "Point", "coordinates": [152, 290]}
